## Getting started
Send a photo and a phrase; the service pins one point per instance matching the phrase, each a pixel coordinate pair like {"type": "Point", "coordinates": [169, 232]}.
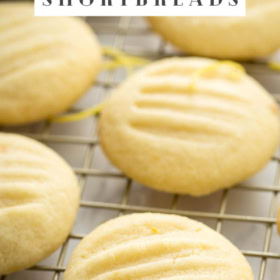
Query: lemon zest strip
{"type": "Point", "coordinates": [92, 111]}
{"type": "Point", "coordinates": [119, 59]}
{"type": "Point", "coordinates": [236, 74]}
{"type": "Point", "coordinates": [274, 66]}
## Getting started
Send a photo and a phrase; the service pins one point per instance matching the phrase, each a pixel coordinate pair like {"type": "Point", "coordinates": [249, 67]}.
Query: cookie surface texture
{"type": "Point", "coordinates": [156, 246]}
{"type": "Point", "coordinates": [39, 198]}
{"type": "Point", "coordinates": [255, 35]}
{"type": "Point", "coordinates": [172, 130]}
{"type": "Point", "coordinates": [47, 63]}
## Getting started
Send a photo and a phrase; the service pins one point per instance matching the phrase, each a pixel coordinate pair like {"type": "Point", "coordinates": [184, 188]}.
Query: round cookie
{"type": "Point", "coordinates": [174, 130]}
{"type": "Point", "coordinates": [39, 198]}
{"type": "Point", "coordinates": [249, 37]}
{"type": "Point", "coordinates": [156, 246]}
{"type": "Point", "coordinates": [47, 63]}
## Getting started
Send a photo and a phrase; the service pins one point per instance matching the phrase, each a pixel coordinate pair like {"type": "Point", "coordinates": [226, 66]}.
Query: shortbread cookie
{"type": "Point", "coordinates": [39, 199]}
{"type": "Point", "coordinates": [190, 125]}
{"type": "Point", "coordinates": [47, 63]}
{"type": "Point", "coordinates": [156, 246]}
{"type": "Point", "coordinates": [255, 35]}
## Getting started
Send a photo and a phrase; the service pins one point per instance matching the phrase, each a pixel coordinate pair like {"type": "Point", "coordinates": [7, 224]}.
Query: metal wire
{"type": "Point", "coordinates": [121, 30]}
{"type": "Point", "coordinates": [268, 234]}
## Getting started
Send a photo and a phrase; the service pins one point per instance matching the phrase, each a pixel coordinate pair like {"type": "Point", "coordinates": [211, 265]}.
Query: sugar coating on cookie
{"type": "Point", "coordinates": [255, 35]}
{"type": "Point", "coordinates": [156, 246]}
{"type": "Point", "coordinates": [176, 131]}
{"type": "Point", "coordinates": [47, 63]}
{"type": "Point", "coordinates": [39, 198]}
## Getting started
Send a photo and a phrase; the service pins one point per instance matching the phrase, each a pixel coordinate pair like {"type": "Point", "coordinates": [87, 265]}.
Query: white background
{"type": "Point", "coordinates": [77, 9]}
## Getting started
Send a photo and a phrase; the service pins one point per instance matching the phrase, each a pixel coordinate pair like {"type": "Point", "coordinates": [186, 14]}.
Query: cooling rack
{"type": "Point", "coordinates": [246, 214]}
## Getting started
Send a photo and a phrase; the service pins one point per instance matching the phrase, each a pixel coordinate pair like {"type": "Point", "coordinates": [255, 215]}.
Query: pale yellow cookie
{"type": "Point", "coordinates": [156, 246]}
{"type": "Point", "coordinates": [47, 63]}
{"type": "Point", "coordinates": [39, 198]}
{"type": "Point", "coordinates": [190, 125]}
{"type": "Point", "coordinates": [255, 35]}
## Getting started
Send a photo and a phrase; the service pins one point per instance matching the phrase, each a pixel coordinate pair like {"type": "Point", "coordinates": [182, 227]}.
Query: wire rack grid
{"type": "Point", "coordinates": [245, 214]}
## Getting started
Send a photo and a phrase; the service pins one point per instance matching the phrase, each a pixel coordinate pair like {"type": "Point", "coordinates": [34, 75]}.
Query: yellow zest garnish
{"type": "Point", "coordinates": [154, 230]}
{"type": "Point", "coordinates": [118, 59]}
{"type": "Point", "coordinates": [95, 110]}
{"type": "Point", "coordinates": [274, 66]}
{"type": "Point", "coordinates": [235, 74]}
